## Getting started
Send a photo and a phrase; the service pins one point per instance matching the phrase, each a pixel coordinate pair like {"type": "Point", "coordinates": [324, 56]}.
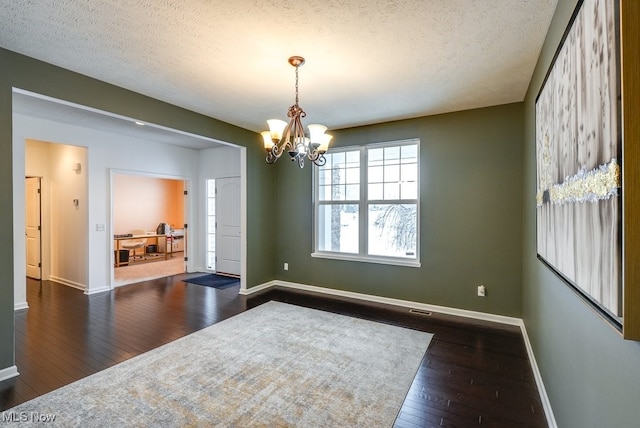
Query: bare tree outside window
{"type": "Point", "coordinates": [336, 210]}
{"type": "Point", "coordinates": [396, 226]}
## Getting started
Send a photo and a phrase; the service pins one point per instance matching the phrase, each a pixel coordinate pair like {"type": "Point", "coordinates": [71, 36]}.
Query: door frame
{"type": "Point", "coordinates": [187, 215]}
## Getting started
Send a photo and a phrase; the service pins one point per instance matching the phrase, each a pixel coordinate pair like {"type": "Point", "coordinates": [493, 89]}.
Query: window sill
{"type": "Point", "coordinates": [377, 260]}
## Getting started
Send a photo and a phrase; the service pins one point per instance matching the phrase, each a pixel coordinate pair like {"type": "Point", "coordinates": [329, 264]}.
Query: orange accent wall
{"type": "Point", "coordinates": [143, 202]}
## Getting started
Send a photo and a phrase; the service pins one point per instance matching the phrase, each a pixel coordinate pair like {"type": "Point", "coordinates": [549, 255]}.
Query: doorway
{"type": "Point", "coordinates": [56, 213]}
{"type": "Point", "coordinates": [141, 203]}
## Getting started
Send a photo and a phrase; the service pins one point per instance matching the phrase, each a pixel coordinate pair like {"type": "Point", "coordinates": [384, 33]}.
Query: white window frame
{"type": "Point", "coordinates": [210, 183]}
{"type": "Point", "coordinates": [363, 204]}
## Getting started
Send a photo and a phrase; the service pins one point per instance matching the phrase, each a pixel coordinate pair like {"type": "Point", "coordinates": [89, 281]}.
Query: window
{"type": "Point", "coordinates": [211, 224]}
{"type": "Point", "coordinates": [366, 203]}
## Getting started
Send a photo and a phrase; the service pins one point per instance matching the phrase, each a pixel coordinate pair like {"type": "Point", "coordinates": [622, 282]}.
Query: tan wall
{"type": "Point", "coordinates": [144, 202]}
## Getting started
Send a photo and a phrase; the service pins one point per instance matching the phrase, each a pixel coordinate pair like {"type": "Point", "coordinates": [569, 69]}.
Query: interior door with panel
{"type": "Point", "coordinates": [228, 226]}
{"type": "Point", "coordinates": [33, 227]}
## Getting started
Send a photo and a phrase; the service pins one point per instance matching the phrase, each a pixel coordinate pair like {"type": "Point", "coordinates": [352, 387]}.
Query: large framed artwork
{"type": "Point", "coordinates": [579, 159]}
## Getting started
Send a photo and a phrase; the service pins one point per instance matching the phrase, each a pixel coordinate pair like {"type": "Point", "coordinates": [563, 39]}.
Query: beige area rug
{"type": "Point", "coordinates": [144, 271]}
{"type": "Point", "coordinates": [277, 365]}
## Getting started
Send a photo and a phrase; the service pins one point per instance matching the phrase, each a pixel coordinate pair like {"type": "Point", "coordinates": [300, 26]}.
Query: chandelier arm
{"type": "Point", "coordinates": [271, 158]}
{"type": "Point", "coordinates": [281, 146]}
{"type": "Point", "coordinates": [320, 160]}
{"type": "Point", "coordinates": [286, 142]}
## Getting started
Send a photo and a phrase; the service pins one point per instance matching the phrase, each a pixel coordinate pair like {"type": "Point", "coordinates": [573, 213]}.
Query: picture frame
{"type": "Point", "coordinates": [578, 112]}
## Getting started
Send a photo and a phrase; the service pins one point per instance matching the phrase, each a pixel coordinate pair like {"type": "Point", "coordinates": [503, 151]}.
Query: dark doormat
{"type": "Point", "coordinates": [213, 280]}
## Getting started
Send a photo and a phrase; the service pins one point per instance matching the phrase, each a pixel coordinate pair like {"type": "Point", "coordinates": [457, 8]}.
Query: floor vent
{"type": "Point", "coordinates": [420, 312]}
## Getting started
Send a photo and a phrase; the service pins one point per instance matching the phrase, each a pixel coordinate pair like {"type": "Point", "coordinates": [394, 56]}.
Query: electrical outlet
{"type": "Point", "coordinates": [286, 266]}
{"type": "Point", "coordinates": [482, 291]}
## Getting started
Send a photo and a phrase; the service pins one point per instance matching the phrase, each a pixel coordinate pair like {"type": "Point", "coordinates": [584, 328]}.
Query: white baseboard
{"type": "Point", "coordinates": [390, 301]}
{"type": "Point", "coordinates": [69, 283]}
{"type": "Point", "coordinates": [20, 306]}
{"type": "Point", "coordinates": [96, 290]}
{"type": "Point", "coordinates": [246, 292]}
{"type": "Point", "coordinates": [8, 373]}
{"type": "Point", "coordinates": [544, 398]}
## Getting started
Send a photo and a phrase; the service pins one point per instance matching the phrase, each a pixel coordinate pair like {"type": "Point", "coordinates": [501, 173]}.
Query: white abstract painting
{"type": "Point", "coordinates": [578, 158]}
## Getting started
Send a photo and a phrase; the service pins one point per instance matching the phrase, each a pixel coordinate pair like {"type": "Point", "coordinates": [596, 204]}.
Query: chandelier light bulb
{"type": "Point", "coordinates": [268, 140]}
{"type": "Point", "coordinates": [276, 128]}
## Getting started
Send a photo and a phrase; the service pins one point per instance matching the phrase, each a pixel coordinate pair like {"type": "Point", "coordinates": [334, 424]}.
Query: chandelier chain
{"type": "Point", "coordinates": [297, 85]}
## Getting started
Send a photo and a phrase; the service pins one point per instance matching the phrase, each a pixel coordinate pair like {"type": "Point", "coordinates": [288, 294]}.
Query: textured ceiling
{"type": "Point", "coordinates": [367, 61]}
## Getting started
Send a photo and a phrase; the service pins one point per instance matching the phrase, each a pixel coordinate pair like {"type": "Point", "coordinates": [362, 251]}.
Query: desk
{"type": "Point", "coordinates": [167, 248]}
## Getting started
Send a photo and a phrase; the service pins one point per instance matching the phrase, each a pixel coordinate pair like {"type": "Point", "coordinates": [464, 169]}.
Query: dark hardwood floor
{"type": "Point", "coordinates": [474, 372]}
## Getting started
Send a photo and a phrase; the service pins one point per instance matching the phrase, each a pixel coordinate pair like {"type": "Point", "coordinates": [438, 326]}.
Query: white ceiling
{"type": "Point", "coordinates": [367, 61]}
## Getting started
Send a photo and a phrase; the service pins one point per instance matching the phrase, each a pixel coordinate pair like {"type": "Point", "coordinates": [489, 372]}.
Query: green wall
{"type": "Point", "coordinates": [28, 74]}
{"type": "Point", "coordinates": [470, 215]}
{"type": "Point", "coordinates": [592, 375]}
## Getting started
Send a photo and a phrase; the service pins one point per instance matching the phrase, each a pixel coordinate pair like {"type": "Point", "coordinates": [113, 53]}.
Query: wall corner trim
{"type": "Point", "coordinates": [546, 404]}
{"type": "Point", "coordinates": [8, 373]}
{"type": "Point", "coordinates": [96, 291]}
{"type": "Point", "coordinates": [260, 287]}
{"type": "Point", "coordinates": [20, 306]}
{"type": "Point", "coordinates": [544, 398]}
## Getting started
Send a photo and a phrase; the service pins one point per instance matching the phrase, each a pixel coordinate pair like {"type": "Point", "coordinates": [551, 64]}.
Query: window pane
{"type": "Point", "coordinates": [375, 192]}
{"type": "Point", "coordinates": [211, 224]}
{"type": "Point", "coordinates": [353, 175]}
{"type": "Point", "coordinates": [409, 172]}
{"type": "Point", "coordinates": [409, 153]}
{"type": "Point", "coordinates": [211, 205]}
{"type": "Point", "coordinates": [392, 230]}
{"type": "Point", "coordinates": [211, 188]}
{"type": "Point", "coordinates": [409, 190]}
{"type": "Point", "coordinates": [338, 159]}
{"type": "Point", "coordinates": [338, 175]}
{"type": "Point", "coordinates": [324, 193]}
{"type": "Point", "coordinates": [211, 261]}
{"type": "Point", "coordinates": [376, 174]}
{"type": "Point", "coordinates": [375, 156]}
{"type": "Point", "coordinates": [391, 191]}
{"type": "Point", "coordinates": [211, 243]}
{"type": "Point", "coordinates": [338, 227]}
{"type": "Point", "coordinates": [392, 173]}
{"type": "Point", "coordinates": [324, 177]}
{"type": "Point", "coordinates": [353, 192]}
{"type": "Point", "coordinates": [391, 154]}
{"type": "Point", "coordinates": [353, 158]}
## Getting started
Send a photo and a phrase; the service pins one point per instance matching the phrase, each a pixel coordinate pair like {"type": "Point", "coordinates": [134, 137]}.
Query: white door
{"type": "Point", "coordinates": [33, 226]}
{"type": "Point", "coordinates": [228, 225]}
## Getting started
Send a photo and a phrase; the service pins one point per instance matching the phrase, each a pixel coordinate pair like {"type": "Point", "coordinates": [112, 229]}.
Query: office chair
{"type": "Point", "coordinates": [135, 243]}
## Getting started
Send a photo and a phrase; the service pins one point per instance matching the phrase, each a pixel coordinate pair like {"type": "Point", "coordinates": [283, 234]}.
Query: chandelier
{"type": "Point", "coordinates": [290, 137]}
